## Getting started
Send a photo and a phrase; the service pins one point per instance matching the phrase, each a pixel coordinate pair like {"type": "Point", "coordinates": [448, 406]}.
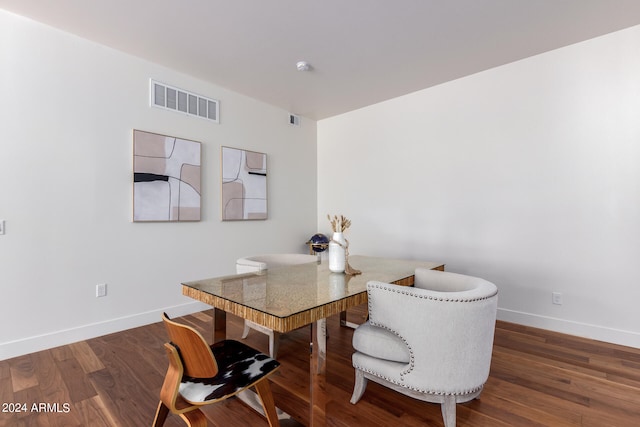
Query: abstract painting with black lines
{"type": "Point", "coordinates": [244, 184]}
{"type": "Point", "coordinates": [166, 178]}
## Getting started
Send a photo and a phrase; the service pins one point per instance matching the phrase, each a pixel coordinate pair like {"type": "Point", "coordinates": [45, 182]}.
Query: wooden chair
{"type": "Point", "coordinates": [200, 374]}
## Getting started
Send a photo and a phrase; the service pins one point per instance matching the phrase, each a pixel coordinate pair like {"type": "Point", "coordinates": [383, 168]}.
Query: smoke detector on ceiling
{"type": "Point", "coordinates": [303, 66]}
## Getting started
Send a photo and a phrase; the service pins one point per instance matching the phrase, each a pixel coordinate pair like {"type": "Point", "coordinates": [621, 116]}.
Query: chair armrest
{"type": "Point", "coordinates": [394, 307]}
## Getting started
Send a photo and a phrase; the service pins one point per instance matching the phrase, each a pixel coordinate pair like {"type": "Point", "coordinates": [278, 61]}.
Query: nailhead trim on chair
{"type": "Point", "coordinates": [430, 297]}
{"type": "Point", "coordinates": [411, 355]}
{"type": "Point", "coordinates": [438, 393]}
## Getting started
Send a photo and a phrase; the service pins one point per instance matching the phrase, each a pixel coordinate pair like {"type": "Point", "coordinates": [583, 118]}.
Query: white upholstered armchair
{"type": "Point", "coordinates": [432, 342]}
{"type": "Point", "coordinates": [263, 262]}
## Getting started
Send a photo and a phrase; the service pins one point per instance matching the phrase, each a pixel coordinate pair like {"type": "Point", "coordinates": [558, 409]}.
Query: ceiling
{"type": "Point", "coordinates": [361, 51]}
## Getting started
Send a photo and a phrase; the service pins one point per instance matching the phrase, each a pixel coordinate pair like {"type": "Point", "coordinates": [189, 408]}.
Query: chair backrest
{"type": "Point", "coordinates": [262, 262]}
{"type": "Point", "coordinates": [463, 316]}
{"type": "Point", "coordinates": [197, 359]}
{"type": "Point", "coordinates": [435, 280]}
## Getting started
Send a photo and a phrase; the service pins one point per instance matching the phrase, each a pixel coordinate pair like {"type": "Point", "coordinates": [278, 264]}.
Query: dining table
{"type": "Point", "coordinates": [289, 297]}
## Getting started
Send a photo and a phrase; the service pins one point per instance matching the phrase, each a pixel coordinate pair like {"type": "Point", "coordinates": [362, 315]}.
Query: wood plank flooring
{"type": "Point", "coordinates": [538, 378]}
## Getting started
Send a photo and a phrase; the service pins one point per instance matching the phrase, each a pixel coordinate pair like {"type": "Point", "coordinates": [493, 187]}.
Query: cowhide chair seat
{"type": "Point", "coordinates": [239, 366]}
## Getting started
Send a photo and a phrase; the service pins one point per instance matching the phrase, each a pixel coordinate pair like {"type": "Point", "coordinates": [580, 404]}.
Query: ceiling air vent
{"type": "Point", "coordinates": [294, 120]}
{"type": "Point", "coordinates": [182, 101]}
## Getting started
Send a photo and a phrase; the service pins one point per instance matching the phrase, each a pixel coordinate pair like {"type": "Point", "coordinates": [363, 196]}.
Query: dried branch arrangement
{"type": "Point", "coordinates": [339, 224]}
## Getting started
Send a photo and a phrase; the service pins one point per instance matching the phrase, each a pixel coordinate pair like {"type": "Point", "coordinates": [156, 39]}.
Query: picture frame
{"type": "Point", "coordinates": [244, 184]}
{"type": "Point", "coordinates": [166, 178]}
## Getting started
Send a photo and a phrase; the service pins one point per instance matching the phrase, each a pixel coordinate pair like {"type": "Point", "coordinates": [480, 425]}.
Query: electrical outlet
{"type": "Point", "coordinates": [556, 298]}
{"type": "Point", "coordinates": [101, 290]}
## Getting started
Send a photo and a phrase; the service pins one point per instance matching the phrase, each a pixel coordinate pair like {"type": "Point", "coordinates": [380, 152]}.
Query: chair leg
{"type": "Point", "coordinates": [359, 387]}
{"type": "Point", "coordinates": [268, 404]}
{"type": "Point", "coordinates": [161, 415]}
{"type": "Point", "coordinates": [449, 411]}
{"type": "Point", "coordinates": [245, 331]}
{"type": "Point", "coordinates": [194, 418]}
{"type": "Point", "coordinates": [274, 343]}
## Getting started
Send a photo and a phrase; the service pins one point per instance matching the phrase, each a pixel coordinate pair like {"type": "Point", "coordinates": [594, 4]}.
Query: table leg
{"type": "Point", "coordinates": [345, 323]}
{"type": "Point", "coordinates": [318, 370]}
{"type": "Point", "coordinates": [219, 325]}
{"type": "Point", "coordinates": [248, 396]}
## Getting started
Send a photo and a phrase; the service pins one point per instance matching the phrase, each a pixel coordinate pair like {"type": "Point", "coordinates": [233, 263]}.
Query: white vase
{"type": "Point", "coordinates": [337, 285]}
{"type": "Point", "coordinates": [337, 253]}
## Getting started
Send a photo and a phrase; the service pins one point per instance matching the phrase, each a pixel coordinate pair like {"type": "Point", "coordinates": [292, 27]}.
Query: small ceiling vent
{"type": "Point", "coordinates": [294, 120]}
{"type": "Point", "coordinates": [182, 101]}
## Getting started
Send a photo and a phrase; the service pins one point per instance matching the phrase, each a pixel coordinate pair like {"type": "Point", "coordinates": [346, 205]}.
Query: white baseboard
{"type": "Point", "coordinates": [594, 332]}
{"type": "Point", "coordinates": [54, 339]}
{"type": "Point", "coordinates": [42, 342]}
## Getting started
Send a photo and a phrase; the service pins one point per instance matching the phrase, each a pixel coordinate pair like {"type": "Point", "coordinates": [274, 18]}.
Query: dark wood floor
{"type": "Point", "coordinates": [538, 378]}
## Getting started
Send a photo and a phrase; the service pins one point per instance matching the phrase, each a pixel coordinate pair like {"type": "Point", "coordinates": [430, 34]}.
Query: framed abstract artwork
{"type": "Point", "coordinates": [166, 178]}
{"type": "Point", "coordinates": [244, 184]}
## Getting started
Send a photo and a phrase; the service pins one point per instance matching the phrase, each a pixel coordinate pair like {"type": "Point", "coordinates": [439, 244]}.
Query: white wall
{"type": "Point", "coordinates": [67, 110]}
{"type": "Point", "coordinates": [527, 175]}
